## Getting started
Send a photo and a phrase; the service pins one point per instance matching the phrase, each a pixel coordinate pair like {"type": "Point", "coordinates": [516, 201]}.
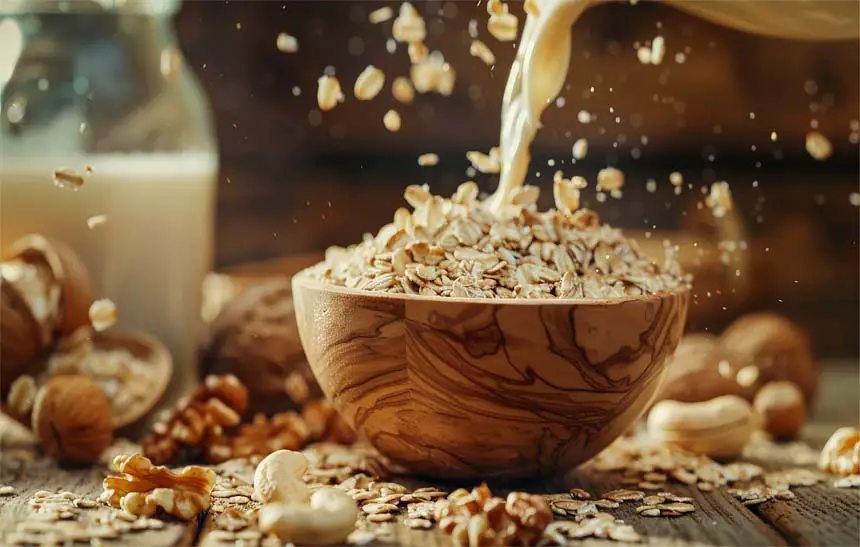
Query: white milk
{"type": "Point", "coordinates": [543, 58]}
{"type": "Point", "coordinates": [151, 255]}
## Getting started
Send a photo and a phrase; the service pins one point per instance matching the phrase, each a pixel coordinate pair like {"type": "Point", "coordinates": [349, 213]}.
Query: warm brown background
{"type": "Point", "coordinates": [289, 186]}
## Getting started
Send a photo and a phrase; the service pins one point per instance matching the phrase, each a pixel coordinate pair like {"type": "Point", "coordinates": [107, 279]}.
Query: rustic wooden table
{"type": "Point", "coordinates": [819, 515]}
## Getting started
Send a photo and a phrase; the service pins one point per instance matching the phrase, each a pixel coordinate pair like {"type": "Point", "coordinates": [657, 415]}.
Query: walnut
{"type": "Point", "coordinates": [841, 453]}
{"type": "Point", "coordinates": [255, 337]}
{"type": "Point", "coordinates": [702, 369]}
{"type": "Point", "coordinates": [326, 424]}
{"type": "Point", "coordinates": [217, 403]}
{"type": "Point", "coordinates": [480, 518]}
{"type": "Point", "coordinates": [71, 416]}
{"type": "Point", "coordinates": [261, 437]}
{"type": "Point", "coordinates": [286, 430]}
{"type": "Point", "coordinates": [777, 347]}
{"type": "Point", "coordinates": [528, 511]}
{"type": "Point", "coordinates": [144, 489]}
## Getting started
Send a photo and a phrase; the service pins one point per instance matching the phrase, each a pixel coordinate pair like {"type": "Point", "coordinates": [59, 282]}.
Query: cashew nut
{"type": "Point", "coordinates": [781, 406]}
{"type": "Point", "coordinates": [278, 478]}
{"type": "Point", "coordinates": [328, 520]}
{"type": "Point", "coordinates": [718, 428]}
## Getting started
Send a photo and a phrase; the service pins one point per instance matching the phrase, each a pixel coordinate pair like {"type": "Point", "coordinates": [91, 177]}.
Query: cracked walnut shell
{"type": "Point", "coordinates": [143, 489]}
{"type": "Point", "coordinates": [20, 340]}
{"type": "Point", "coordinates": [68, 272]}
{"type": "Point", "coordinates": [71, 416]}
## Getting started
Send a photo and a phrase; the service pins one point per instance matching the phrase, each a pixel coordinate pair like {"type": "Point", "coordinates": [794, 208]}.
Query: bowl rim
{"type": "Point", "coordinates": [303, 278]}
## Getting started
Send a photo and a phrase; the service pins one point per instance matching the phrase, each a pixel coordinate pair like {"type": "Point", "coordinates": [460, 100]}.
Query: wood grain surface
{"type": "Point", "coordinates": [820, 515]}
{"type": "Point", "coordinates": [466, 388]}
{"type": "Point", "coordinates": [44, 474]}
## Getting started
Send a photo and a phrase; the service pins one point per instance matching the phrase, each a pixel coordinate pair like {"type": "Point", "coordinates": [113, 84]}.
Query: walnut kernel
{"type": "Point", "coordinates": [143, 489]}
{"type": "Point", "coordinates": [841, 453]}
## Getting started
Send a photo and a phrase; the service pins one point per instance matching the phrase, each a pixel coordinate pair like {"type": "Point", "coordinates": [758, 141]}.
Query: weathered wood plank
{"type": "Point", "coordinates": [718, 520]}
{"type": "Point", "coordinates": [820, 515]}
{"type": "Point", "coordinates": [42, 474]}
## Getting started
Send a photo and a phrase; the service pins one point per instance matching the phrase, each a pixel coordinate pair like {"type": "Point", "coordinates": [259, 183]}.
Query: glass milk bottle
{"type": "Point", "coordinates": [102, 84]}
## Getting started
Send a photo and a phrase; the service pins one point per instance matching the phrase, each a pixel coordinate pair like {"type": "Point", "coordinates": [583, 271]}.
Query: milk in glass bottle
{"type": "Point", "coordinates": [103, 84]}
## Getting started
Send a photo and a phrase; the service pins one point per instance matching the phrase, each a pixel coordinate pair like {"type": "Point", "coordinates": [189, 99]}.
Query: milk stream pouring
{"type": "Point", "coordinates": [543, 58]}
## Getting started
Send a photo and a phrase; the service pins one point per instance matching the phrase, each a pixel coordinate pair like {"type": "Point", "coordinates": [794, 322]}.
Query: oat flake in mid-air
{"type": "Point", "coordinates": [391, 120]}
{"type": "Point", "coordinates": [103, 314]}
{"type": "Point", "coordinates": [380, 15]}
{"type": "Point", "coordinates": [329, 93]}
{"type": "Point", "coordinates": [428, 160]}
{"type": "Point", "coordinates": [286, 43]}
{"type": "Point", "coordinates": [580, 149]}
{"type": "Point", "coordinates": [95, 221]}
{"type": "Point", "coordinates": [818, 146]}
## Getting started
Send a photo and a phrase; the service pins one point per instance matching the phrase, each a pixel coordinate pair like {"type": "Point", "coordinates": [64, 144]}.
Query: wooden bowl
{"type": "Point", "coordinates": [463, 388]}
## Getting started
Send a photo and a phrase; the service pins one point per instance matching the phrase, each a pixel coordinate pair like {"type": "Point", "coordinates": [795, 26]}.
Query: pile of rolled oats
{"type": "Point", "coordinates": [63, 518]}
{"type": "Point", "coordinates": [458, 248]}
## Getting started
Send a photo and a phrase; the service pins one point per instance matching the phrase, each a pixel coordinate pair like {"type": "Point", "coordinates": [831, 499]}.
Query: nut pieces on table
{"type": "Point", "coordinates": [278, 478]}
{"type": "Point", "coordinates": [144, 489]}
{"type": "Point", "coordinates": [719, 428]}
{"type": "Point", "coordinates": [198, 418]}
{"type": "Point", "coordinates": [260, 437]}
{"type": "Point", "coordinates": [204, 421]}
{"type": "Point", "coordinates": [291, 512]}
{"type": "Point", "coordinates": [319, 421]}
{"type": "Point", "coordinates": [479, 518]}
{"type": "Point", "coordinates": [327, 519]}
{"type": "Point", "coordinates": [841, 453]}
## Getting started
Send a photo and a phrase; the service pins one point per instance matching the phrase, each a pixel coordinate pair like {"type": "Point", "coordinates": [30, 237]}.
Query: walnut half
{"type": "Point", "coordinates": [143, 488]}
{"type": "Point", "coordinates": [841, 453]}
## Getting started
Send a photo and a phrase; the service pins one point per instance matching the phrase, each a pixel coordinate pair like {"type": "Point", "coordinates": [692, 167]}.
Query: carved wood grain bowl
{"type": "Point", "coordinates": [460, 388]}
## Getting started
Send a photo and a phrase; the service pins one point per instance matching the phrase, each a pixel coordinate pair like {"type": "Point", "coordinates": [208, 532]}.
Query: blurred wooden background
{"type": "Point", "coordinates": [294, 180]}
